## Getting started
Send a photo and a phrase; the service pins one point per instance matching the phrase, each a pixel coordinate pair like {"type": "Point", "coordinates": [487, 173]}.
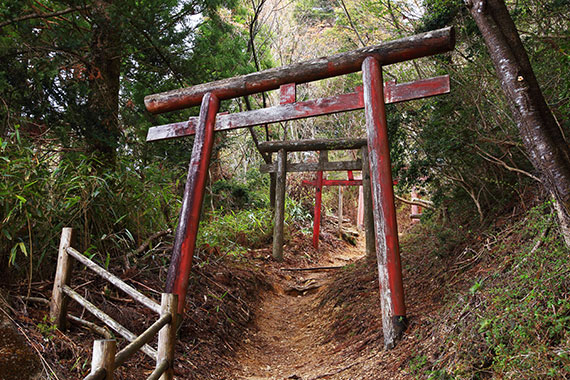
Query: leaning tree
{"type": "Point", "coordinates": [549, 152]}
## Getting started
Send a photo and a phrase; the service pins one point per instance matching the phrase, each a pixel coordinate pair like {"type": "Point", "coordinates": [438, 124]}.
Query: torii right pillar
{"type": "Point", "coordinates": [394, 321]}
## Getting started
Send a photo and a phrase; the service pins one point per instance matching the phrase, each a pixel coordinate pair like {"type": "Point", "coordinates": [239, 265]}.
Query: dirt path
{"type": "Point", "coordinates": [285, 342]}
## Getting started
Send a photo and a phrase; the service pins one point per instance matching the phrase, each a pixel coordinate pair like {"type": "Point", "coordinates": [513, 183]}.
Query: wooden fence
{"type": "Point", "coordinates": [105, 356]}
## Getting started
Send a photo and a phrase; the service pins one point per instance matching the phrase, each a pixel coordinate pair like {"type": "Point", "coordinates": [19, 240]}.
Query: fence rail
{"type": "Point", "coordinates": [105, 356]}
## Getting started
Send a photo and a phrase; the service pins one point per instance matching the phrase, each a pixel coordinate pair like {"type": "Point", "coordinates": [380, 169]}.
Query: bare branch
{"type": "Point", "coordinates": [43, 15]}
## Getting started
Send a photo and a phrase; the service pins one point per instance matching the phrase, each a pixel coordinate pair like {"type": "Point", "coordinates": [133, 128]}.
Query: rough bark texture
{"type": "Point", "coordinates": [549, 153]}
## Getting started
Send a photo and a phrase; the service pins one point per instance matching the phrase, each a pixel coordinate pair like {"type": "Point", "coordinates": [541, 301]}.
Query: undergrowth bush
{"type": "Point", "coordinates": [44, 190]}
{"type": "Point", "coordinates": [514, 321]}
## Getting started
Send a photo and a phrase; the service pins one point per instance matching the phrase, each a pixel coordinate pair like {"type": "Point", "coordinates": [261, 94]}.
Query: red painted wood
{"type": "Point", "coordinates": [318, 206]}
{"type": "Point", "coordinates": [335, 182]}
{"type": "Point", "coordinates": [187, 230]}
{"type": "Point", "coordinates": [293, 111]}
{"type": "Point", "coordinates": [288, 93]}
{"type": "Point", "coordinates": [404, 49]}
{"type": "Point", "coordinates": [350, 175]}
{"type": "Point", "coordinates": [386, 229]}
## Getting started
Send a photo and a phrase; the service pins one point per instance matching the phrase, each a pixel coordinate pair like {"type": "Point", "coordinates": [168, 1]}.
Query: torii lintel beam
{"type": "Point", "coordinates": [393, 93]}
{"type": "Point", "coordinates": [404, 49]}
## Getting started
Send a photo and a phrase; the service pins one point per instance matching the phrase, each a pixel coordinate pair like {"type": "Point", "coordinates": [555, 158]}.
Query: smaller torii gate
{"type": "Point", "coordinates": [318, 184]}
{"type": "Point", "coordinates": [372, 97]}
{"type": "Point", "coordinates": [323, 165]}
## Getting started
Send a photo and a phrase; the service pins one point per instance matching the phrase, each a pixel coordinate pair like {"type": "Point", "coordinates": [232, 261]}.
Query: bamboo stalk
{"type": "Point", "coordinates": [116, 281]}
{"type": "Point", "coordinates": [116, 326]}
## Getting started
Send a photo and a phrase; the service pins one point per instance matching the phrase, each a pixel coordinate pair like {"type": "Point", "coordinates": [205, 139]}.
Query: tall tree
{"type": "Point", "coordinates": [542, 137]}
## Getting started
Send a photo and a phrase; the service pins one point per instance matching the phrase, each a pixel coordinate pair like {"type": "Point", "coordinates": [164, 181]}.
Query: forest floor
{"type": "Point", "coordinates": [248, 318]}
{"type": "Point", "coordinates": [285, 339]}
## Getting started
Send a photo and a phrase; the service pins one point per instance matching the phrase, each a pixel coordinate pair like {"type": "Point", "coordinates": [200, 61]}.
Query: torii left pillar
{"type": "Point", "coordinates": [187, 230]}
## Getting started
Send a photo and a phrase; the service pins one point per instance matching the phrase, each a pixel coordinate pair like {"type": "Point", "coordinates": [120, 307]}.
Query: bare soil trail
{"type": "Point", "coordinates": [289, 337]}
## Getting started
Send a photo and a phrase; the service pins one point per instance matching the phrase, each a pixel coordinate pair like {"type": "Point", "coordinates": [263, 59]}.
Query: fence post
{"type": "Point", "coordinates": [104, 357]}
{"type": "Point", "coordinates": [167, 335]}
{"type": "Point", "coordinates": [58, 304]}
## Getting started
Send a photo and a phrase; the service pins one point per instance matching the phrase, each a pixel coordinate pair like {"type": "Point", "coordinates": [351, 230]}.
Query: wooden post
{"type": "Point", "coordinates": [104, 357]}
{"type": "Point", "coordinates": [340, 212]}
{"type": "Point", "coordinates": [386, 230]}
{"type": "Point", "coordinates": [368, 207]}
{"type": "Point", "coordinates": [318, 208]}
{"type": "Point", "coordinates": [58, 305]}
{"type": "Point", "coordinates": [167, 335]}
{"type": "Point", "coordinates": [279, 214]}
{"type": "Point", "coordinates": [360, 210]}
{"type": "Point", "coordinates": [187, 230]}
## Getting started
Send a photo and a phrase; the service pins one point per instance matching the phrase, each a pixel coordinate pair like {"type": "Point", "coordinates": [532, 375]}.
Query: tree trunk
{"type": "Point", "coordinates": [548, 151]}
{"type": "Point", "coordinates": [103, 134]}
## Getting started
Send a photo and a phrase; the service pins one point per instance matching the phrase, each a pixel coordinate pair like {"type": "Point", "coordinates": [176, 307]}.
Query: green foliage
{"type": "Point", "coordinates": [234, 231]}
{"type": "Point", "coordinates": [47, 328]}
{"type": "Point", "coordinates": [514, 321]}
{"type": "Point", "coordinates": [44, 191]}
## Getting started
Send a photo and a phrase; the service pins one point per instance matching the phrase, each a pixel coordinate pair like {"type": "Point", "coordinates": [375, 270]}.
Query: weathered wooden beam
{"type": "Point", "coordinates": [102, 362]}
{"type": "Point", "coordinates": [335, 182]}
{"type": "Point", "coordinates": [159, 371]}
{"type": "Point", "coordinates": [106, 319]}
{"type": "Point", "coordinates": [386, 230]}
{"type": "Point", "coordinates": [315, 166]}
{"type": "Point", "coordinates": [146, 337]}
{"type": "Point", "coordinates": [114, 280]}
{"type": "Point", "coordinates": [189, 221]}
{"type": "Point", "coordinates": [312, 145]}
{"type": "Point", "coordinates": [167, 336]}
{"type": "Point", "coordinates": [279, 212]}
{"type": "Point", "coordinates": [58, 304]}
{"type": "Point", "coordinates": [341, 103]}
{"type": "Point", "coordinates": [404, 49]}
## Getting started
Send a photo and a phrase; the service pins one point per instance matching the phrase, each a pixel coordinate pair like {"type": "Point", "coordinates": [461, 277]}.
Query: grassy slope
{"type": "Point", "coordinates": [492, 303]}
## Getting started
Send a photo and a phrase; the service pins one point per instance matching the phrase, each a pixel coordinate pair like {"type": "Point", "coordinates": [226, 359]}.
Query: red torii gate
{"type": "Point", "coordinates": [372, 99]}
{"type": "Point", "coordinates": [319, 183]}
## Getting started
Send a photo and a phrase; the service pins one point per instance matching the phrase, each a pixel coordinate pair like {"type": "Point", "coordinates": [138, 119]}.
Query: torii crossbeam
{"type": "Point", "coordinates": [373, 97]}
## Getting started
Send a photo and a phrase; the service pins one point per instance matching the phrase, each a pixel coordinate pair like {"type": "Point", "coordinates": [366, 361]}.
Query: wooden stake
{"type": "Point", "coordinates": [58, 305]}
{"type": "Point", "coordinates": [104, 357]}
{"type": "Point", "coordinates": [167, 336]}
{"type": "Point", "coordinates": [279, 215]}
